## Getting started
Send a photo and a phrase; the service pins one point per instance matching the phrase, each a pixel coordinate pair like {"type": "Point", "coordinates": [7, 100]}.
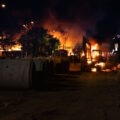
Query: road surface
{"type": "Point", "coordinates": [85, 96]}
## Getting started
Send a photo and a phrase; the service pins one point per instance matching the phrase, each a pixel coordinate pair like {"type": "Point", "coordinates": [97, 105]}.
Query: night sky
{"type": "Point", "coordinates": [100, 18]}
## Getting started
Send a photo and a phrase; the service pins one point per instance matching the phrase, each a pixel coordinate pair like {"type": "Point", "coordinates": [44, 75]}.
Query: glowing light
{"type": "Point", "coordinates": [89, 62]}
{"type": "Point", "coordinates": [103, 54]}
{"type": "Point", "coordinates": [3, 5]}
{"type": "Point", "coordinates": [32, 22]}
{"type": "Point", "coordinates": [116, 46]}
{"type": "Point", "coordinates": [94, 53]}
{"type": "Point", "coordinates": [83, 54]}
{"type": "Point", "coordinates": [53, 30]}
{"type": "Point", "coordinates": [70, 52]}
{"type": "Point", "coordinates": [54, 36]}
{"type": "Point", "coordinates": [16, 47]}
{"type": "Point", "coordinates": [25, 26]}
{"type": "Point", "coordinates": [102, 64]}
{"type": "Point", "coordinates": [94, 47]}
{"type": "Point", "coordinates": [65, 40]}
{"type": "Point", "coordinates": [114, 68]}
{"type": "Point", "coordinates": [107, 70]}
{"type": "Point", "coordinates": [93, 69]}
{"type": "Point", "coordinates": [2, 37]}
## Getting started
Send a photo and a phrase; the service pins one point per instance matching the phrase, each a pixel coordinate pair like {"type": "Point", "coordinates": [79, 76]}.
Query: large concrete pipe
{"type": "Point", "coordinates": [49, 66]}
{"type": "Point", "coordinates": [44, 65]}
{"type": "Point", "coordinates": [43, 72]}
{"type": "Point", "coordinates": [39, 64]}
{"type": "Point", "coordinates": [16, 74]}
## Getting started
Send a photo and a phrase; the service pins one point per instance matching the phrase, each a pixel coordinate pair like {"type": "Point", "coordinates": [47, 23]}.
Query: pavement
{"type": "Point", "coordinates": [75, 96]}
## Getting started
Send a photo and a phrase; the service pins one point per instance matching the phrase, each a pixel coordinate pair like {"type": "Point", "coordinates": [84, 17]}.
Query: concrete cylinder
{"type": "Point", "coordinates": [39, 64]}
{"type": "Point", "coordinates": [16, 74]}
{"type": "Point", "coordinates": [44, 65]}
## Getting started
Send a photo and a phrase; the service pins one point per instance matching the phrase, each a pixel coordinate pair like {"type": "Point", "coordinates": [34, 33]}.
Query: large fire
{"type": "Point", "coordinates": [94, 49]}
{"type": "Point", "coordinates": [68, 34]}
{"type": "Point", "coordinates": [17, 47]}
{"type": "Point", "coordinates": [65, 42]}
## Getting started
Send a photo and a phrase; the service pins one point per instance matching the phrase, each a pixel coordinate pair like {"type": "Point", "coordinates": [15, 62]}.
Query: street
{"type": "Point", "coordinates": [83, 96]}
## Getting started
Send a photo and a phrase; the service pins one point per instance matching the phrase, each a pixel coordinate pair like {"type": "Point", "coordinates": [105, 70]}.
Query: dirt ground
{"type": "Point", "coordinates": [84, 96]}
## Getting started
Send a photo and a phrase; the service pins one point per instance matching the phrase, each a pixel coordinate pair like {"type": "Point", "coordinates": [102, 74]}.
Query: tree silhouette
{"type": "Point", "coordinates": [37, 42]}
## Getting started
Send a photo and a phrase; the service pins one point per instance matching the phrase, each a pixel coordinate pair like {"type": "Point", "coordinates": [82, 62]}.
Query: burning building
{"type": "Point", "coordinates": [69, 34]}
{"type": "Point", "coordinates": [9, 45]}
{"type": "Point", "coordinates": [92, 57]}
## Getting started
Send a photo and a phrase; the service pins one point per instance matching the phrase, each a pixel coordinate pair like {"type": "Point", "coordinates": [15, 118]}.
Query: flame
{"type": "Point", "coordinates": [15, 38]}
{"type": "Point", "coordinates": [94, 44]}
{"type": "Point", "coordinates": [107, 70]}
{"type": "Point", "coordinates": [94, 47]}
{"type": "Point", "coordinates": [102, 64]}
{"type": "Point", "coordinates": [83, 54]}
{"type": "Point", "coordinates": [68, 34]}
{"type": "Point", "coordinates": [94, 69]}
{"type": "Point", "coordinates": [94, 52]}
{"type": "Point", "coordinates": [65, 41]}
{"type": "Point", "coordinates": [89, 62]}
{"type": "Point", "coordinates": [16, 47]}
{"type": "Point", "coordinates": [1, 49]}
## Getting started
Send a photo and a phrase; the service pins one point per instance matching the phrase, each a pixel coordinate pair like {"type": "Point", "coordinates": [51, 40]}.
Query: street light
{"type": "Point", "coordinates": [28, 26]}
{"type": "Point", "coordinates": [25, 26]}
{"type": "Point", "coordinates": [3, 5]}
{"type": "Point", "coordinates": [32, 22]}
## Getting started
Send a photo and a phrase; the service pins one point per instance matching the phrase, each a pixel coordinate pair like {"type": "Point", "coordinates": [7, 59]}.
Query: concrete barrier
{"type": "Point", "coordinates": [16, 74]}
